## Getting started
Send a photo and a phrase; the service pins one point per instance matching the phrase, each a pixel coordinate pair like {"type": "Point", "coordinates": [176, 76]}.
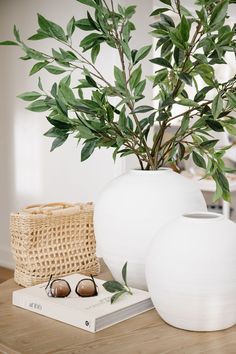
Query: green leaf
{"type": "Point", "coordinates": [218, 193]}
{"type": "Point", "coordinates": [159, 11]}
{"type": "Point", "coordinates": [176, 37]}
{"type": "Point", "coordinates": [185, 11]}
{"type": "Point", "coordinates": [178, 56]}
{"type": "Point", "coordinates": [232, 98]}
{"type": "Point", "coordinates": [70, 27]}
{"type": "Point", "coordinates": [91, 81]}
{"type": "Point", "coordinates": [40, 86]}
{"type": "Point", "coordinates": [37, 67]}
{"type": "Point", "coordinates": [59, 121]}
{"type": "Point", "coordinates": [130, 11]}
{"type": "Point", "coordinates": [135, 77]}
{"type": "Point", "coordinates": [161, 75]}
{"type": "Point", "coordinates": [38, 36]}
{"type": "Point", "coordinates": [162, 116]}
{"type": "Point", "coordinates": [94, 52]}
{"type": "Point", "coordinates": [202, 93]}
{"type": "Point", "coordinates": [167, 20]}
{"type": "Point", "coordinates": [51, 28]}
{"type": "Point", "coordinates": [166, 2]}
{"type": "Point", "coordinates": [219, 13]}
{"type": "Point", "coordinates": [222, 180]}
{"type": "Point", "coordinates": [184, 28]}
{"type": "Point", "coordinates": [55, 132]}
{"type": "Point", "coordinates": [38, 106]}
{"type": "Point", "coordinates": [119, 76]}
{"type": "Point", "coordinates": [198, 160]}
{"type": "Point", "coordinates": [231, 129]}
{"type": "Point", "coordinates": [58, 142]}
{"type": "Point", "coordinates": [96, 26]}
{"type": "Point", "coordinates": [187, 102]}
{"type": "Point", "coordinates": [139, 88]}
{"type": "Point", "coordinates": [67, 94]}
{"type": "Point", "coordinates": [217, 106]}
{"type": "Point", "coordinates": [209, 144]}
{"type": "Point", "coordinates": [142, 53]}
{"type": "Point", "coordinates": [181, 151]}
{"type": "Point", "coordinates": [8, 43]}
{"type": "Point", "coordinates": [187, 78]}
{"type": "Point", "coordinates": [16, 34]}
{"type": "Point", "coordinates": [214, 125]}
{"type": "Point", "coordinates": [184, 124]}
{"type": "Point", "coordinates": [113, 286]}
{"type": "Point", "coordinates": [85, 25]}
{"type": "Point", "coordinates": [207, 73]}
{"type": "Point", "coordinates": [91, 40]}
{"type": "Point", "coordinates": [87, 149]}
{"type": "Point", "coordinates": [126, 50]}
{"type": "Point", "coordinates": [162, 62]}
{"type": "Point", "coordinates": [29, 96]}
{"type": "Point", "coordinates": [122, 120]}
{"type": "Point", "coordinates": [88, 2]}
{"type": "Point", "coordinates": [143, 109]}
{"type": "Point", "coordinates": [56, 70]}
{"type": "Point", "coordinates": [117, 295]}
{"type": "Point", "coordinates": [85, 132]}
{"type": "Point", "coordinates": [54, 90]}
{"type": "Point", "coordinates": [119, 141]}
{"type": "Point", "coordinates": [124, 273]}
{"type": "Point", "coordinates": [34, 54]}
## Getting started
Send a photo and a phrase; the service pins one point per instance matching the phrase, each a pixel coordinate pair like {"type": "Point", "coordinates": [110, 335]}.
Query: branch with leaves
{"type": "Point", "coordinates": [118, 289]}
{"type": "Point", "coordinates": [188, 48]}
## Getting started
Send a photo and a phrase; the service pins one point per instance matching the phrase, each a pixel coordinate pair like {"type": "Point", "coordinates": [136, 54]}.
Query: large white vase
{"type": "Point", "coordinates": [191, 272]}
{"type": "Point", "coordinates": [132, 208]}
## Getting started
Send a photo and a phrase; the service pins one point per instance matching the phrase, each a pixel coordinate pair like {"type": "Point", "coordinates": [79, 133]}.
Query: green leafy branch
{"type": "Point", "coordinates": [188, 50]}
{"type": "Point", "coordinates": [116, 287]}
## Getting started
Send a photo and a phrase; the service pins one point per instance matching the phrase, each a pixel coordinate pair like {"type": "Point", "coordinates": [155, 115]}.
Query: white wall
{"type": "Point", "coordinates": [29, 173]}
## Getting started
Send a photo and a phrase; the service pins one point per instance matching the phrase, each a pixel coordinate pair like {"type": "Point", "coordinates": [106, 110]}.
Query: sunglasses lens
{"type": "Point", "coordinates": [86, 288]}
{"type": "Point", "coordinates": [60, 288]}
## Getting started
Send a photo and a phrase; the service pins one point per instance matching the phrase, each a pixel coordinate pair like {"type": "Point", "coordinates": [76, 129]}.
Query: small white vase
{"type": "Point", "coordinates": [191, 272]}
{"type": "Point", "coordinates": [132, 208]}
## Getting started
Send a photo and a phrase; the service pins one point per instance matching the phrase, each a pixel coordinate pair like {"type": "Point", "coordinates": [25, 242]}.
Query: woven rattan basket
{"type": "Point", "coordinates": [53, 239]}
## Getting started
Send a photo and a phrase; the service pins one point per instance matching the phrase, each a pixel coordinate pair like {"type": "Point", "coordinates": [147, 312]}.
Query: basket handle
{"type": "Point", "coordinates": [41, 208]}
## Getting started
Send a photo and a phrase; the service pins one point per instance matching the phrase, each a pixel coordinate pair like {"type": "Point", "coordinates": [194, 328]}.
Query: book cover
{"type": "Point", "coordinates": [91, 313]}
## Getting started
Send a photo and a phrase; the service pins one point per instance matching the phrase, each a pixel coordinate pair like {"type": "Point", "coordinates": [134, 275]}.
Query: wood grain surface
{"type": "Point", "coordinates": [24, 332]}
{"type": "Point", "coordinates": [5, 274]}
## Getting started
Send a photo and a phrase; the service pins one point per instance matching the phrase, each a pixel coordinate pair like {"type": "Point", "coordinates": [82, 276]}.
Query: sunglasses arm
{"type": "Point", "coordinates": [48, 282]}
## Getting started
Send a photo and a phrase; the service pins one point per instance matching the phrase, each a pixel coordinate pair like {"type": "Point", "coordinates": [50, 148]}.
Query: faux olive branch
{"type": "Point", "coordinates": [183, 58]}
{"type": "Point", "coordinates": [116, 287]}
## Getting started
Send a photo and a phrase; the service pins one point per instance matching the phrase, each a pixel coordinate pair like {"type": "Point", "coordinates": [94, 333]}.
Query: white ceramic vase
{"type": "Point", "coordinates": [191, 272]}
{"type": "Point", "coordinates": [132, 208]}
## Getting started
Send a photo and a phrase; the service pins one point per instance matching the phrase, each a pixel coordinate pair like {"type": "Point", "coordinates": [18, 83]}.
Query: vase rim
{"type": "Point", "coordinates": [161, 169]}
{"type": "Point", "coordinates": [203, 216]}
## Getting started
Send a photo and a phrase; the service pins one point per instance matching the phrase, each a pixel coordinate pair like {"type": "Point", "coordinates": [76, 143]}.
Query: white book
{"type": "Point", "coordinates": [92, 313]}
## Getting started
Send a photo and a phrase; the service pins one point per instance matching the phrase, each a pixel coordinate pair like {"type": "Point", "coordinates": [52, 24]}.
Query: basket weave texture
{"type": "Point", "coordinates": [53, 239]}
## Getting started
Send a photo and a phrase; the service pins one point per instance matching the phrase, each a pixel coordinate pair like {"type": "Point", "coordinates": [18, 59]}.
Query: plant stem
{"type": "Point", "coordinates": [130, 103]}
{"type": "Point", "coordinates": [159, 137]}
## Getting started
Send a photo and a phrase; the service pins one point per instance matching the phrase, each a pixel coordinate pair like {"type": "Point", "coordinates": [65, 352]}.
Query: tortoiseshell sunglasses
{"type": "Point", "coordinates": [86, 287]}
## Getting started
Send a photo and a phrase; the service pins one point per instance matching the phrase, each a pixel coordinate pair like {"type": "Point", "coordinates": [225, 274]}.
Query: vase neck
{"type": "Point", "coordinates": [160, 170]}
{"type": "Point", "coordinates": [203, 217]}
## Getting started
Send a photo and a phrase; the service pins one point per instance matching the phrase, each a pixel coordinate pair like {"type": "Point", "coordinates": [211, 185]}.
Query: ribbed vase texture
{"type": "Point", "coordinates": [191, 272]}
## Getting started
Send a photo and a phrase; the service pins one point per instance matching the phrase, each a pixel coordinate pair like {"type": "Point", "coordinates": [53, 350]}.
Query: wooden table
{"type": "Point", "coordinates": [24, 332]}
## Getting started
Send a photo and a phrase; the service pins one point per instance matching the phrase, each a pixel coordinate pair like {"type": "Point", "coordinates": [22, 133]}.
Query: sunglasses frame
{"type": "Point", "coordinates": [50, 293]}
{"type": "Point", "coordinates": [95, 287]}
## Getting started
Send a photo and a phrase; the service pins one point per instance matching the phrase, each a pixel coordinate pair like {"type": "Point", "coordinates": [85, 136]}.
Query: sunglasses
{"type": "Point", "coordinates": [61, 288]}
